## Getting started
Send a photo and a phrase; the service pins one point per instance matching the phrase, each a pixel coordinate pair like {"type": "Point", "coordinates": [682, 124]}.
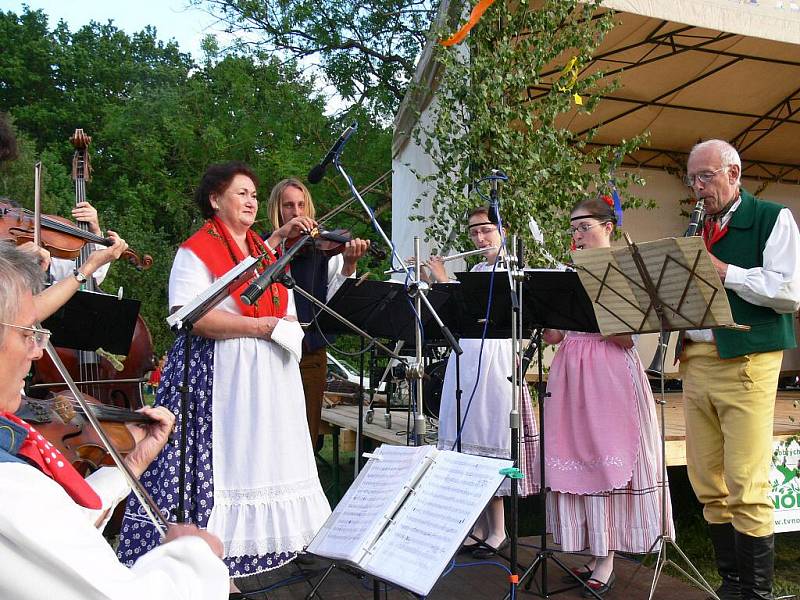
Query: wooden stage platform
{"type": "Point", "coordinates": [483, 580]}
{"type": "Point", "coordinates": [787, 423]}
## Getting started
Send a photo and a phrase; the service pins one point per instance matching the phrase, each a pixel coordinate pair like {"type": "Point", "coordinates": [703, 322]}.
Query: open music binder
{"type": "Point", "coordinates": [630, 285]}
{"type": "Point", "coordinates": [407, 513]}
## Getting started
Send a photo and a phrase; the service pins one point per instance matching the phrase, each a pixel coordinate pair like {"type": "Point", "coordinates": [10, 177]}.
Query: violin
{"type": "Point", "coordinates": [331, 243]}
{"type": "Point", "coordinates": [59, 236]}
{"type": "Point", "coordinates": [61, 420]}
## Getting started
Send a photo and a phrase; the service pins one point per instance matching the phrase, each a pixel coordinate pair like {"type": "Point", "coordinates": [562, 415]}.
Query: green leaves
{"type": "Point", "coordinates": [366, 49]}
{"type": "Point", "coordinates": [157, 120]}
{"type": "Point", "coordinates": [507, 101]}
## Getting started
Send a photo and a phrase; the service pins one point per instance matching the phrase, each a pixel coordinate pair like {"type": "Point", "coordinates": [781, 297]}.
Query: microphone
{"type": "Point", "coordinates": [696, 218]}
{"type": "Point", "coordinates": [494, 201]}
{"type": "Point", "coordinates": [273, 272]}
{"type": "Point", "coordinates": [317, 172]}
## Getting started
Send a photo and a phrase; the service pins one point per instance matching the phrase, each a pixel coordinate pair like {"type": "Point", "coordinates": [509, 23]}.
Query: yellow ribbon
{"type": "Point", "coordinates": [474, 17]}
{"type": "Point", "coordinates": [571, 69]}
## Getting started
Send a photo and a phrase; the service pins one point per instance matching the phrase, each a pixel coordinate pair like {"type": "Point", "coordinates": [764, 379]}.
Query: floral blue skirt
{"type": "Point", "coordinates": [138, 535]}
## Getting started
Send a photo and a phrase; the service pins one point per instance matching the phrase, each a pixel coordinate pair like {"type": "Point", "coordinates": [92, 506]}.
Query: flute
{"type": "Point", "coordinates": [451, 257]}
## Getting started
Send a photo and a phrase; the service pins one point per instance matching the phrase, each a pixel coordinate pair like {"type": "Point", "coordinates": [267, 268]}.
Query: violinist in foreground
{"type": "Point", "coordinates": [319, 275]}
{"type": "Point", "coordinates": [50, 517]}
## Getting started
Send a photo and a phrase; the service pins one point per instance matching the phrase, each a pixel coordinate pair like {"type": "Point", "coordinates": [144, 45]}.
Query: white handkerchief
{"type": "Point", "coordinates": [289, 335]}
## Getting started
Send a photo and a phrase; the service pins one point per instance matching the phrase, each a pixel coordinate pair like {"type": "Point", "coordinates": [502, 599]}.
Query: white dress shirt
{"type": "Point", "coordinates": [775, 285]}
{"type": "Point", "coordinates": [50, 548]}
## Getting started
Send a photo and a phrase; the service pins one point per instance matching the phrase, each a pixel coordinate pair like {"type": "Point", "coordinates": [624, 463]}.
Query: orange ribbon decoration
{"type": "Point", "coordinates": [474, 17]}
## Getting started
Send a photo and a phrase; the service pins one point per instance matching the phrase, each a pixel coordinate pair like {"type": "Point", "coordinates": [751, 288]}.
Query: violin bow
{"type": "Point", "coordinates": [335, 211]}
{"type": "Point", "coordinates": [151, 508]}
{"type": "Point", "coordinates": [37, 203]}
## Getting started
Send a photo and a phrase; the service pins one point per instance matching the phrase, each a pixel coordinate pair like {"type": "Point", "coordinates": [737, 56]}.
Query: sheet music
{"type": "Point", "coordinates": [623, 306]}
{"type": "Point", "coordinates": [430, 526]}
{"type": "Point", "coordinates": [378, 490]}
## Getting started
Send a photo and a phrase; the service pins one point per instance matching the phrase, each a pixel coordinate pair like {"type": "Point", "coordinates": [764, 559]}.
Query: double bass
{"type": "Point", "coordinates": [111, 379]}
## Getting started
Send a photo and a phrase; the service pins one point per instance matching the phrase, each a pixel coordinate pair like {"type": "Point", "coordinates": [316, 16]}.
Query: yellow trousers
{"type": "Point", "coordinates": [729, 406]}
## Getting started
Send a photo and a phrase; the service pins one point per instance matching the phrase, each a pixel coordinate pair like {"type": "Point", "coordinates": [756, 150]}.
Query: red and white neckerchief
{"type": "Point", "coordinates": [716, 226]}
{"type": "Point", "coordinates": [53, 464]}
{"type": "Point", "coordinates": [712, 232]}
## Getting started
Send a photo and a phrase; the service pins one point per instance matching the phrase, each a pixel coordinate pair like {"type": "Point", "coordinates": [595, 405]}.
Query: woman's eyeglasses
{"type": "Point", "coordinates": [584, 227]}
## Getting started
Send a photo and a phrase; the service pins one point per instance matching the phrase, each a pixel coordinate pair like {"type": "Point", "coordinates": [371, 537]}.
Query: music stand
{"type": "Point", "coordinates": [106, 322]}
{"type": "Point", "coordinates": [551, 299]}
{"type": "Point", "coordinates": [659, 286]}
{"type": "Point", "coordinates": [380, 308]}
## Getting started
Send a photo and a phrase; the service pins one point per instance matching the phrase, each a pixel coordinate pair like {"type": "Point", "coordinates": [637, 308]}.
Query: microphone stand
{"type": "Point", "coordinates": [416, 292]}
{"type": "Point", "coordinates": [515, 276]}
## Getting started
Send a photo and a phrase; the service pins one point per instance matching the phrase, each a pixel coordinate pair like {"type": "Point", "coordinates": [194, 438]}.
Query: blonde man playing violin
{"type": "Point", "coordinates": [290, 205]}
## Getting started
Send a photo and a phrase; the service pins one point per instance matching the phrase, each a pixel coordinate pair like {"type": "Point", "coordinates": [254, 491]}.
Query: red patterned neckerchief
{"type": "Point", "coordinates": [52, 463]}
{"type": "Point", "coordinates": [712, 232]}
{"type": "Point", "coordinates": [213, 244]}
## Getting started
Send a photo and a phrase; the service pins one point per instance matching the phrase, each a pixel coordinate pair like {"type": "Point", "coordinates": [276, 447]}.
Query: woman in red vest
{"type": "Point", "coordinates": [250, 473]}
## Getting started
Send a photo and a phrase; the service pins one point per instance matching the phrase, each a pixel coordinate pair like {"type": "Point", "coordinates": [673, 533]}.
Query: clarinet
{"type": "Point", "coordinates": [696, 218]}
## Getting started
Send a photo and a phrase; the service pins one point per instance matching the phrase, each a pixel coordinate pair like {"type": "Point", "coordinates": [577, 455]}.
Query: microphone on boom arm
{"type": "Point", "coordinates": [317, 172]}
{"type": "Point", "coordinates": [272, 273]}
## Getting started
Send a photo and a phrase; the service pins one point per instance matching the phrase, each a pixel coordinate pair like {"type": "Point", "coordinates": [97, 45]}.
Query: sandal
{"type": "Point", "coordinates": [487, 551]}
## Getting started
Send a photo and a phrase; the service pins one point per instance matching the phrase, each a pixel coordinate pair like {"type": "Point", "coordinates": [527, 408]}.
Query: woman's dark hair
{"type": "Point", "coordinates": [216, 179]}
{"type": "Point", "coordinates": [597, 207]}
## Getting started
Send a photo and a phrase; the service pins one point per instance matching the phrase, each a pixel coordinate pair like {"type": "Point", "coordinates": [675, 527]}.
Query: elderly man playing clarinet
{"type": "Point", "coordinates": [730, 377]}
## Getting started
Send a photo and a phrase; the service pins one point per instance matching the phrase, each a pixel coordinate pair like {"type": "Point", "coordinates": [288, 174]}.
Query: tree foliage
{"type": "Point", "coordinates": [157, 120]}
{"type": "Point", "coordinates": [366, 49]}
{"type": "Point", "coordinates": [492, 112]}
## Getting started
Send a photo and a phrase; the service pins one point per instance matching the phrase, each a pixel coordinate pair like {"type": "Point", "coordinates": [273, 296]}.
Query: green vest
{"type": "Point", "coordinates": [743, 246]}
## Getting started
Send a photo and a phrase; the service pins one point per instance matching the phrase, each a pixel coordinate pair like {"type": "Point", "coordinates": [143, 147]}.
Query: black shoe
{"type": "Point", "coordinates": [466, 548]}
{"type": "Point", "coordinates": [582, 575]}
{"type": "Point", "coordinates": [598, 587]}
{"type": "Point", "coordinates": [756, 559]}
{"type": "Point", "coordinates": [723, 537]}
{"type": "Point", "coordinates": [487, 551]}
{"type": "Point", "coordinates": [305, 559]}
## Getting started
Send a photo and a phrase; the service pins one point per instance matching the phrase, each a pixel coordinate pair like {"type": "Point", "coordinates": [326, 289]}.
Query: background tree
{"type": "Point", "coordinates": [157, 120]}
{"type": "Point", "coordinates": [366, 49]}
{"type": "Point", "coordinates": [485, 118]}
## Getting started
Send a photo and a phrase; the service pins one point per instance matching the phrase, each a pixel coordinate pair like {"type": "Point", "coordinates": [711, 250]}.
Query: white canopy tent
{"type": "Point", "coordinates": [688, 70]}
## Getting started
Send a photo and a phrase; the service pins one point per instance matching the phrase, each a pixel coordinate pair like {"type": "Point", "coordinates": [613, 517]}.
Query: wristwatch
{"type": "Point", "coordinates": [79, 276]}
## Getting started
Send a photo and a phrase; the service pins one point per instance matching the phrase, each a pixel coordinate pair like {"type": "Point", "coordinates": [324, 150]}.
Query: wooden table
{"type": "Point", "coordinates": [787, 423]}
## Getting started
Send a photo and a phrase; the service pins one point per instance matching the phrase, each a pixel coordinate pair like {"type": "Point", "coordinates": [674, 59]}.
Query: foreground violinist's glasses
{"type": "Point", "coordinates": [37, 336]}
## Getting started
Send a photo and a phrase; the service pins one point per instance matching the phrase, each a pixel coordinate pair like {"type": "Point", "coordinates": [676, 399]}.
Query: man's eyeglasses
{"type": "Point", "coordinates": [485, 231]}
{"type": "Point", "coordinates": [584, 227]}
{"type": "Point", "coordinates": [703, 176]}
{"type": "Point", "coordinates": [38, 335]}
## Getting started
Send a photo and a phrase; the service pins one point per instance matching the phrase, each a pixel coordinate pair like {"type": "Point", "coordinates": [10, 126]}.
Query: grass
{"type": "Point", "coordinates": [691, 536]}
